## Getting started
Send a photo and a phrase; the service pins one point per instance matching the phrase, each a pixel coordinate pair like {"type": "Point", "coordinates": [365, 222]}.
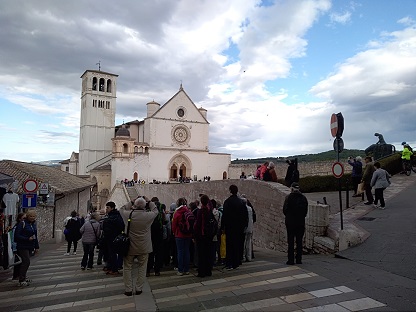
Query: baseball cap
{"type": "Point", "coordinates": [295, 185]}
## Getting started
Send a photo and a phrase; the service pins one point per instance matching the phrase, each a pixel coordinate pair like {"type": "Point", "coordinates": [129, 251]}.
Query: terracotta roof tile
{"type": "Point", "coordinates": [60, 181]}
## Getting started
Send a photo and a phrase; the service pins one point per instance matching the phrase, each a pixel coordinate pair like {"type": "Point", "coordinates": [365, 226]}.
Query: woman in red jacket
{"type": "Point", "coordinates": [182, 237]}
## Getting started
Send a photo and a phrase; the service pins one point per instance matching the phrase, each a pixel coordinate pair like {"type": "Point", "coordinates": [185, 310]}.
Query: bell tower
{"type": "Point", "coordinates": [98, 109]}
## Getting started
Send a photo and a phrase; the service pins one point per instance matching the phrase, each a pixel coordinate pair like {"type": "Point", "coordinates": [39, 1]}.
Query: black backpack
{"type": "Point", "coordinates": [210, 226]}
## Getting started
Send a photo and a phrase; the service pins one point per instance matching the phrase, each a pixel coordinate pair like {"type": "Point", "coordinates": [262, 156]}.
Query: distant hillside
{"type": "Point", "coordinates": [329, 155]}
{"type": "Point", "coordinates": [50, 163]}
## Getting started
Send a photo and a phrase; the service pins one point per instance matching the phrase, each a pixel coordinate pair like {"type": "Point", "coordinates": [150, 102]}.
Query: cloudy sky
{"type": "Point", "coordinates": [270, 73]}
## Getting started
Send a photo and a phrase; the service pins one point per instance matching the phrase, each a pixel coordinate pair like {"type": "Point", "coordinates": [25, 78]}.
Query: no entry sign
{"type": "Point", "coordinates": [30, 186]}
{"type": "Point", "coordinates": [334, 125]}
{"type": "Point", "coordinates": [337, 170]}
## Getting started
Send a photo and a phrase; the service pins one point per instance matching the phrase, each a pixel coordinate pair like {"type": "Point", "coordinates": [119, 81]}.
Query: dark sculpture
{"type": "Point", "coordinates": [381, 149]}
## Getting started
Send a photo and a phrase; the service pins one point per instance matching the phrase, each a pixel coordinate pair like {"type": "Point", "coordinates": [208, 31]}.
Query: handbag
{"type": "Point", "coordinates": [121, 243]}
{"type": "Point", "coordinates": [16, 261]}
{"type": "Point", "coordinates": [360, 188]}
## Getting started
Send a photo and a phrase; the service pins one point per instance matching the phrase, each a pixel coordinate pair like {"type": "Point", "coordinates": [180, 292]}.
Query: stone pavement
{"type": "Point", "coordinates": [265, 284]}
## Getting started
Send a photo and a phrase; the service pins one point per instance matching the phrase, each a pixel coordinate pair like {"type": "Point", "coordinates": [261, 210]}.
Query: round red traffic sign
{"type": "Point", "coordinates": [334, 125]}
{"type": "Point", "coordinates": [30, 186]}
{"type": "Point", "coordinates": [337, 170]}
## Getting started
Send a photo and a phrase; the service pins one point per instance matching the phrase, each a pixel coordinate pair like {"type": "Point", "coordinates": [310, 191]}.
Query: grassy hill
{"type": "Point", "coordinates": [329, 155]}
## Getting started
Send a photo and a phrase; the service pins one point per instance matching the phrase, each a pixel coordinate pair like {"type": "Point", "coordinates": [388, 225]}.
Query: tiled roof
{"type": "Point", "coordinates": [4, 179]}
{"type": "Point", "coordinates": [60, 181]}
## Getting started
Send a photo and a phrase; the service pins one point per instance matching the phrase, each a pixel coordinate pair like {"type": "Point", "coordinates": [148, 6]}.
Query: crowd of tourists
{"type": "Point", "coordinates": [202, 233]}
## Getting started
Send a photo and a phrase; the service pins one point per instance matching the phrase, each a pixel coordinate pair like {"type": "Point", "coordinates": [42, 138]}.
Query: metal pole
{"type": "Point", "coordinates": [347, 195]}
{"type": "Point", "coordinates": [339, 189]}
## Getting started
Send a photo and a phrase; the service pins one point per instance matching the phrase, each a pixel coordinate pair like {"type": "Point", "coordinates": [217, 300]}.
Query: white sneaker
{"type": "Point", "coordinates": [74, 253]}
{"type": "Point", "coordinates": [179, 273]}
{"type": "Point", "coordinates": [66, 254]}
{"type": "Point", "coordinates": [23, 284]}
{"type": "Point", "coordinates": [382, 208]}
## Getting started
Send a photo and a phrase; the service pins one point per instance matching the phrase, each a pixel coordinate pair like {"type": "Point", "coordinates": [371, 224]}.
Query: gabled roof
{"type": "Point", "coordinates": [60, 181]}
{"type": "Point", "coordinates": [175, 95]}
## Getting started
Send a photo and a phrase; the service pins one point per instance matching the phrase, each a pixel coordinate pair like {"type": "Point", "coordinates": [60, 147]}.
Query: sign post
{"type": "Point", "coordinates": [337, 128]}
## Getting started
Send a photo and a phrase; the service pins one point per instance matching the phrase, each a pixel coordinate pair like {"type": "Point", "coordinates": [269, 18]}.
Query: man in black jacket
{"type": "Point", "coordinates": [295, 210]}
{"type": "Point", "coordinates": [113, 225]}
{"type": "Point", "coordinates": [234, 221]}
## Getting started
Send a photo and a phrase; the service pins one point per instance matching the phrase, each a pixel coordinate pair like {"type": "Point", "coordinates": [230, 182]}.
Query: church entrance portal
{"type": "Point", "coordinates": [179, 167]}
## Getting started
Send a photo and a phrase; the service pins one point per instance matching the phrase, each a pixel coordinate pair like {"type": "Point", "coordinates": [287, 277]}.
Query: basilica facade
{"type": "Point", "coordinates": [169, 144]}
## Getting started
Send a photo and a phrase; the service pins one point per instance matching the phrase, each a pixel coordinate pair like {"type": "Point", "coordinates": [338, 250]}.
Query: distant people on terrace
{"type": "Point", "coordinates": [270, 173]}
{"type": "Point", "coordinates": [292, 173]}
{"type": "Point", "coordinates": [357, 173]}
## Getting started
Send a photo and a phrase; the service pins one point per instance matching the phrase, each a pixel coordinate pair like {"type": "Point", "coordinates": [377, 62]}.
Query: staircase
{"type": "Point", "coordinates": [132, 191]}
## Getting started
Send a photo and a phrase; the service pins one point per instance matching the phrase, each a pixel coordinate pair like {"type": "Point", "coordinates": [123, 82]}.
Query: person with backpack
{"type": "Point", "coordinates": [182, 227]}
{"type": "Point", "coordinates": [90, 232]}
{"type": "Point", "coordinates": [72, 233]}
{"type": "Point", "coordinates": [206, 227]}
{"type": "Point", "coordinates": [113, 225]}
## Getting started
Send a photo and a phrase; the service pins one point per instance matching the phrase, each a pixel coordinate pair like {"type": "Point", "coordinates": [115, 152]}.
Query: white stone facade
{"type": "Point", "coordinates": [169, 144]}
{"type": "Point", "coordinates": [98, 108]}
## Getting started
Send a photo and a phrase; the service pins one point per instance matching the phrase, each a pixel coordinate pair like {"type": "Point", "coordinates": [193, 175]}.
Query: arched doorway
{"type": "Point", "coordinates": [179, 166]}
{"type": "Point", "coordinates": [224, 175]}
{"type": "Point", "coordinates": [135, 176]}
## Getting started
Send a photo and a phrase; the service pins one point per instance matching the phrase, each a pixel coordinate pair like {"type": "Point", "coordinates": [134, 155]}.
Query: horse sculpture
{"type": "Point", "coordinates": [380, 149]}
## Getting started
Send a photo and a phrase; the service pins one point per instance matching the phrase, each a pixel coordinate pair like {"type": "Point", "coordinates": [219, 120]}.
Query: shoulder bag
{"type": "Point", "coordinates": [121, 243]}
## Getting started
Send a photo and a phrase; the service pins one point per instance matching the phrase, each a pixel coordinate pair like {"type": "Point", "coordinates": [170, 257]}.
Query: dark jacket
{"type": "Point", "coordinates": [201, 218]}
{"type": "Point", "coordinates": [24, 230]}
{"type": "Point", "coordinates": [357, 168]}
{"type": "Point", "coordinates": [295, 209]}
{"type": "Point", "coordinates": [73, 226]}
{"type": "Point", "coordinates": [235, 216]}
{"type": "Point", "coordinates": [113, 225]}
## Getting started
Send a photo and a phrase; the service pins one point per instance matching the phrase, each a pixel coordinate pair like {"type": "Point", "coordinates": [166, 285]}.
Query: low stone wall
{"type": "Point", "coordinates": [305, 169]}
{"type": "Point", "coordinates": [267, 199]}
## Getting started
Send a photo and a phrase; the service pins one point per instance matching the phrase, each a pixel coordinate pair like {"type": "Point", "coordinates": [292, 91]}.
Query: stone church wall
{"type": "Point", "coordinates": [267, 199]}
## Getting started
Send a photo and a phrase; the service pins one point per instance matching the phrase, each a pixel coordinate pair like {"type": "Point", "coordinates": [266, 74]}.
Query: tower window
{"type": "Point", "coordinates": [94, 83]}
{"type": "Point", "coordinates": [107, 104]}
{"type": "Point", "coordinates": [94, 103]}
{"type": "Point", "coordinates": [125, 148]}
{"type": "Point", "coordinates": [109, 85]}
{"type": "Point", "coordinates": [102, 83]}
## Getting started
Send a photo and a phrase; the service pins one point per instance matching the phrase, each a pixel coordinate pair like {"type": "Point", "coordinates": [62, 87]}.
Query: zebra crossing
{"type": "Point", "coordinates": [60, 285]}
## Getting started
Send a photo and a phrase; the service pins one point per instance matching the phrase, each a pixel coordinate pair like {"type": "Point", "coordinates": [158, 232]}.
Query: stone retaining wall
{"type": "Point", "coordinates": [267, 199]}
{"type": "Point", "coordinates": [305, 169]}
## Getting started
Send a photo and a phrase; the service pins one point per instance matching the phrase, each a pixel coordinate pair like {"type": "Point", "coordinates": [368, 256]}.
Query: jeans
{"type": "Point", "coordinates": [88, 258]}
{"type": "Point", "coordinates": [24, 266]}
{"type": "Point", "coordinates": [182, 245]}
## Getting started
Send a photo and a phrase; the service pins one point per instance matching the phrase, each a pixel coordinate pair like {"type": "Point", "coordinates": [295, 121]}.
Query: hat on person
{"type": "Point", "coordinates": [295, 185]}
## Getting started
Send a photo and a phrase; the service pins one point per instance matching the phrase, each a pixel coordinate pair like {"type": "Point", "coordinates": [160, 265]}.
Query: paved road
{"type": "Point", "coordinates": [265, 284]}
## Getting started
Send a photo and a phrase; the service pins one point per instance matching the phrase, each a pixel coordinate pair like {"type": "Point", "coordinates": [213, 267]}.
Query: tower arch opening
{"type": "Point", "coordinates": [109, 85]}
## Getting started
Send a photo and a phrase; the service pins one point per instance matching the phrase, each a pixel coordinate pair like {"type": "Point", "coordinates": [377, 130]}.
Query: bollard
{"type": "Point", "coordinates": [325, 201]}
{"type": "Point", "coordinates": [58, 236]}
